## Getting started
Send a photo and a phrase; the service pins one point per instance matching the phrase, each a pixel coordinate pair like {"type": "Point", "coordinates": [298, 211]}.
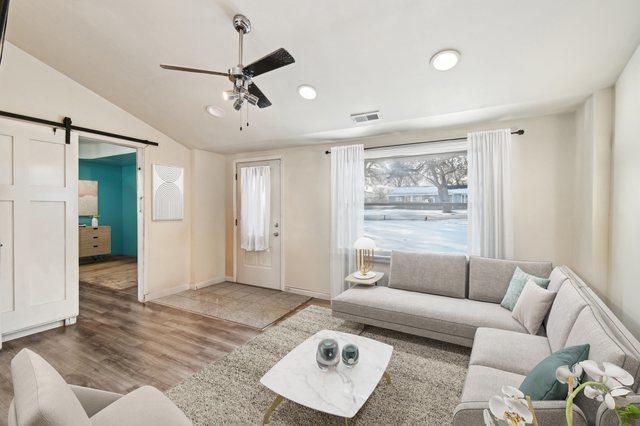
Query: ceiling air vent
{"type": "Point", "coordinates": [365, 117]}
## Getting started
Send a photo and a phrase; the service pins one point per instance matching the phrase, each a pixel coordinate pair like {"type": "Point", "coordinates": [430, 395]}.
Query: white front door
{"type": "Point", "coordinates": [38, 227]}
{"type": "Point", "coordinates": [261, 268]}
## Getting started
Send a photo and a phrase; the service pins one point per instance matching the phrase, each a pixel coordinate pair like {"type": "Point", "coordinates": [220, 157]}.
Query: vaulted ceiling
{"type": "Point", "coordinates": [361, 55]}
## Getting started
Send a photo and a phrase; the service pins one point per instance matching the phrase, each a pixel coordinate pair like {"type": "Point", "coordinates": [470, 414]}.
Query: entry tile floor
{"type": "Point", "coordinates": [244, 304]}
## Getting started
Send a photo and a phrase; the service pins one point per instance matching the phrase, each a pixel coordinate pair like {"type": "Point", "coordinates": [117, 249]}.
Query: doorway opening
{"type": "Point", "coordinates": [109, 217]}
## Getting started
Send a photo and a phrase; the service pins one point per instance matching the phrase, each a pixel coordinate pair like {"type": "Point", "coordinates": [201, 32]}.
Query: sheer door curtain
{"type": "Point", "coordinates": [255, 208]}
{"type": "Point", "coordinates": [347, 211]}
{"type": "Point", "coordinates": [490, 232]}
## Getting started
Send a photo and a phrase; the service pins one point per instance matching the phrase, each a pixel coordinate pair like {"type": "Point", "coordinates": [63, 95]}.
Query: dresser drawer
{"type": "Point", "coordinates": [95, 241]}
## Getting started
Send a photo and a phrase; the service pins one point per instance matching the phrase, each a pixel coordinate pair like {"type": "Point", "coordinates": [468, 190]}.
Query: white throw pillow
{"type": "Point", "coordinates": [532, 306]}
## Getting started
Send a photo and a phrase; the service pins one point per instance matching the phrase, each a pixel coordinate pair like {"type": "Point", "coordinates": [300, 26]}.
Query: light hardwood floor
{"type": "Point", "coordinates": [119, 344]}
{"type": "Point", "coordinates": [117, 272]}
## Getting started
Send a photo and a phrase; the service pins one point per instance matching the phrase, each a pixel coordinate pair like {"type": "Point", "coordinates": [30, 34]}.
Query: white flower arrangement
{"type": "Point", "coordinates": [511, 408]}
{"type": "Point", "coordinates": [608, 384]}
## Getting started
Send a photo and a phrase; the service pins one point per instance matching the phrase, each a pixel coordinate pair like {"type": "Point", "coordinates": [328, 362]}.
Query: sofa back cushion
{"type": "Point", "coordinates": [433, 273]}
{"type": "Point", "coordinates": [489, 278]}
{"type": "Point", "coordinates": [563, 314]}
{"type": "Point", "coordinates": [588, 328]}
{"type": "Point", "coordinates": [41, 396]}
{"type": "Point", "coordinates": [557, 278]}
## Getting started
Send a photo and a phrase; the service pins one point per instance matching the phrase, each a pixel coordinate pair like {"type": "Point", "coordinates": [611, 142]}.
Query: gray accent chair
{"type": "Point", "coordinates": [42, 397]}
{"type": "Point", "coordinates": [444, 297]}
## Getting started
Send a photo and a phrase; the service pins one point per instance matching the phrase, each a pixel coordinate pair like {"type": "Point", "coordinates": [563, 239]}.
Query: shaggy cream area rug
{"type": "Point", "coordinates": [427, 379]}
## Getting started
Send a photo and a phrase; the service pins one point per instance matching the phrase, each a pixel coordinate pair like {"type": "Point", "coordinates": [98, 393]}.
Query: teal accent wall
{"type": "Point", "coordinates": [116, 199]}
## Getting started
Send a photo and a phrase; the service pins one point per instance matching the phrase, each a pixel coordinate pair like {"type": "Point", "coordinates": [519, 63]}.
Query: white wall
{"type": "Point", "coordinates": [543, 170]}
{"type": "Point", "coordinates": [208, 219]}
{"type": "Point", "coordinates": [591, 190]}
{"type": "Point", "coordinates": [624, 282]}
{"type": "Point", "coordinates": [30, 87]}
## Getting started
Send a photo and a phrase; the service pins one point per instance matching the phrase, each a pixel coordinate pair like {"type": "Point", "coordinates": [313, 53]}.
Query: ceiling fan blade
{"type": "Point", "coordinates": [272, 61]}
{"type": "Point", "coordinates": [196, 70]}
{"type": "Point", "coordinates": [263, 102]}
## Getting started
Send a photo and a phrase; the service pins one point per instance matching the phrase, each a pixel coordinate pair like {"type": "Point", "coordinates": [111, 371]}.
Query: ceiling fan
{"type": "Point", "coordinates": [244, 89]}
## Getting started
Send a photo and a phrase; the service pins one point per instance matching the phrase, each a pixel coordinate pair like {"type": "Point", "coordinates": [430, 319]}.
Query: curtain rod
{"type": "Point", "coordinates": [67, 126]}
{"type": "Point", "coordinates": [515, 132]}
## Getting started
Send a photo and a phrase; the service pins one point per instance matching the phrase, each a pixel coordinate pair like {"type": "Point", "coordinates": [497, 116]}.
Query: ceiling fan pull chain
{"type": "Point", "coordinates": [248, 114]}
{"type": "Point", "coordinates": [240, 120]}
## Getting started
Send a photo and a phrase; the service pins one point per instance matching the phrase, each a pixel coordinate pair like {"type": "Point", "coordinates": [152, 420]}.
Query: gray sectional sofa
{"type": "Point", "coordinates": [449, 298]}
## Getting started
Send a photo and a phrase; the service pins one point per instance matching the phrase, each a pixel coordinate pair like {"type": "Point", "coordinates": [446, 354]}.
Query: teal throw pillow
{"type": "Point", "coordinates": [541, 383]}
{"type": "Point", "coordinates": [516, 285]}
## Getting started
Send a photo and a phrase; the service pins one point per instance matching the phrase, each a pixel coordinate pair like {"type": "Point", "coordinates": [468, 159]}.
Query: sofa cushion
{"type": "Point", "coordinates": [541, 383]}
{"type": "Point", "coordinates": [556, 279]}
{"type": "Point", "coordinates": [532, 306]}
{"type": "Point", "coordinates": [588, 330]}
{"type": "Point", "coordinates": [489, 278]}
{"type": "Point", "coordinates": [484, 382]}
{"type": "Point", "coordinates": [458, 317]}
{"type": "Point", "coordinates": [145, 406]}
{"type": "Point", "coordinates": [508, 350]}
{"type": "Point", "coordinates": [564, 311]}
{"type": "Point", "coordinates": [434, 273]}
{"type": "Point", "coordinates": [516, 285]}
{"type": "Point", "coordinates": [41, 396]}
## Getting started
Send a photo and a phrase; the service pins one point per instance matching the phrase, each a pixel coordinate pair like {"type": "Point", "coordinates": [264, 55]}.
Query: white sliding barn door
{"type": "Point", "coordinates": [38, 228]}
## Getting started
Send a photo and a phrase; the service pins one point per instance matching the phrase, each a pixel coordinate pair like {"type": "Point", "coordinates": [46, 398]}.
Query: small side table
{"type": "Point", "coordinates": [370, 281]}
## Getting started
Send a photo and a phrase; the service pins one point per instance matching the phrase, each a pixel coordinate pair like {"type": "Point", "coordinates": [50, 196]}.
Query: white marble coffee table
{"type": "Point", "coordinates": [341, 390]}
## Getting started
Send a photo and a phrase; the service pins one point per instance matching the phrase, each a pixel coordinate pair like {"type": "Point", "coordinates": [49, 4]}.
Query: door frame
{"type": "Point", "coordinates": [235, 212]}
{"type": "Point", "coordinates": [140, 189]}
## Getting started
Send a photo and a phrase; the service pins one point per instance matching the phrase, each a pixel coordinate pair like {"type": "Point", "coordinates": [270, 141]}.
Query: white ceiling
{"type": "Point", "coordinates": [518, 57]}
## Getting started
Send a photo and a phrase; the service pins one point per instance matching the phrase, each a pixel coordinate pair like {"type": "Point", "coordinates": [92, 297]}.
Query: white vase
{"type": "Point", "coordinates": [94, 222]}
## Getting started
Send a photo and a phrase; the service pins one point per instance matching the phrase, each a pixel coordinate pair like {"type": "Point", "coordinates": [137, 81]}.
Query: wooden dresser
{"type": "Point", "coordinates": [95, 241]}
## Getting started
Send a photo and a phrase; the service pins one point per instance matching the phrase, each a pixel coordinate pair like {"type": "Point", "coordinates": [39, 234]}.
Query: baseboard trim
{"type": "Point", "coordinates": [303, 292]}
{"type": "Point", "coordinates": [207, 283]}
{"type": "Point", "coordinates": [229, 278]}
{"type": "Point", "coordinates": [32, 330]}
{"type": "Point", "coordinates": [165, 292]}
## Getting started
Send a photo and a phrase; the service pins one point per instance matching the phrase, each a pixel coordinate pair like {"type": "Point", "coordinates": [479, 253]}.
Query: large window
{"type": "Point", "coordinates": [417, 203]}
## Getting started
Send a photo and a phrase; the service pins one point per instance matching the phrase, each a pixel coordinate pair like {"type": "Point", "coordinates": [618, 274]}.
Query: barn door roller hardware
{"type": "Point", "coordinates": [67, 125]}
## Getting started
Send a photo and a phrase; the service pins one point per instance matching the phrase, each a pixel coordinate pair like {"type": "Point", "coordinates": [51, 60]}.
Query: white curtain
{"type": "Point", "coordinates": [347, 211]}
{"type": "Point", "coordinates": [255, 208]}
{"type": "Point", "coordinates": [490, 212]}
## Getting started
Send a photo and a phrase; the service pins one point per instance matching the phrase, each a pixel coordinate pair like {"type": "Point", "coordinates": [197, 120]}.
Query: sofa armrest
{"type": "Point", "coordinates": [548, 413]}
{"type": "Point", "coordinates": [607, 417]}
{"type": "Point", "coordinates": [94, 400]}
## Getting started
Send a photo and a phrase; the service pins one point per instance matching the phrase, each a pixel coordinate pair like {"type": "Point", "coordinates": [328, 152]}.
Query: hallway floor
{"type": "Point", "coordinates": [116, 273]}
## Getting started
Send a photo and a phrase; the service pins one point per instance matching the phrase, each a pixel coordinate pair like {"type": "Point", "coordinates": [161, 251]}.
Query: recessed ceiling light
{"type": "Point", "coordinates": [307, 92]}
{"type": "Point", "coordinates": [444, 60]}
{"type": "Point", "coordinates": [216, 111]}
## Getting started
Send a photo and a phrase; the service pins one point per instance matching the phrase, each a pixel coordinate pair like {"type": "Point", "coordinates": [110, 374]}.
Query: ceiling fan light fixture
{"type": "Point", "coordinates": [216, 111]}
{"type": "Point", "coordinates": [444, 60]}
{"type": "Point", "coordinates": [307, 91]}
{"type": "Point", "coordinates": [228, 94]}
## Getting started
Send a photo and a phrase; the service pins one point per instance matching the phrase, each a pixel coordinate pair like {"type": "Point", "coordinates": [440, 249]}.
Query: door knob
{"type": "Point", "coordinates": [275, 234]}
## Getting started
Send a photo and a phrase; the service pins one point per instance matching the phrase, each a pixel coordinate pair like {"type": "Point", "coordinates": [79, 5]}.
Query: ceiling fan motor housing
{"type": "Point", "coordinates": [242, 23]}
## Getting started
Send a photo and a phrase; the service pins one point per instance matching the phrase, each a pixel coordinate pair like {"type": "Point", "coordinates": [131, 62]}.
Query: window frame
{"type": "Point", "coordinates": [383, 256]}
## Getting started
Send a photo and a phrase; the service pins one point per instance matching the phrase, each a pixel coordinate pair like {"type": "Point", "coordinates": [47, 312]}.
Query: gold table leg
{"type": "Point", "coordinates": [271, 409]}
{"type": "Point", "coordinates": [387, 376]}
{"type": "Point", "coordinates": [346, 421]}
